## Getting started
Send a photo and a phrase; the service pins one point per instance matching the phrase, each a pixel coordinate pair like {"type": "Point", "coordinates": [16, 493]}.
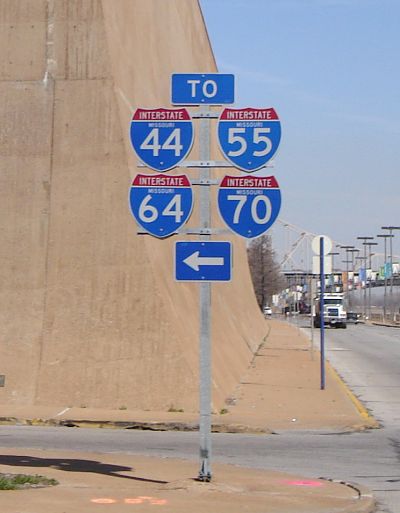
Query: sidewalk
{"type": "Point", "coordinates": [280, 391]}
{"type": "Point", "coordinates": [92, 483]}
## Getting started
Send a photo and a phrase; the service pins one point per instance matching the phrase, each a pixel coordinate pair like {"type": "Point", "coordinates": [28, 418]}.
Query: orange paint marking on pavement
{"type": "Point", "coordinates": [136, 500]}
{"type": "Point", "coordinates": [103, 500]}
{"type": "Point", "coordinates": [304, 483]}
{"type": "Point", "coordinates": [131, 500]}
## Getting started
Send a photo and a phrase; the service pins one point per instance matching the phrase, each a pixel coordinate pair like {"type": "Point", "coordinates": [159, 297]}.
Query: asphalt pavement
{"type": "Point", "coordinates": [280, 391]}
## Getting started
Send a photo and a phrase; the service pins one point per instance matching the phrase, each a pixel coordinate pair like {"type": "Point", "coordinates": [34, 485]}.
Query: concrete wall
{"type": "Point", "coordinates": [89, 310]}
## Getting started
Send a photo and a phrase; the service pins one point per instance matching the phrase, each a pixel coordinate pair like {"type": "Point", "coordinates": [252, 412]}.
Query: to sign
{"type": "Point", "coordinates": [249, 137]}
{"type": "Point", "coordinates": [203, 261]}
{"type": "Point", "coordinates": [161, 137]}
{"type": "Point", "coordinates": [202, 88]}
{"type": "Point", "coordinates": [249, 205]}
{"type": "Point", "coordinates": [161, 204]}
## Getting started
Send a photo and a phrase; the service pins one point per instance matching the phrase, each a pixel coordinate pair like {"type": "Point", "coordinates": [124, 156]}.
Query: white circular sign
{"type": "Point", "coordinates": [315, 244]}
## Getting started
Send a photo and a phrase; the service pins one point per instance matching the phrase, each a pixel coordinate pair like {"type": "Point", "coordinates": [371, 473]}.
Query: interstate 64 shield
{"type": "Point", "coordinates": [249, 137]}
{"type": "Point", "coordinates": [161, 137]}
{"type": "Point", "coordinates": [161, 204]}
{"type": "Point", "coordinates": [249, 205]}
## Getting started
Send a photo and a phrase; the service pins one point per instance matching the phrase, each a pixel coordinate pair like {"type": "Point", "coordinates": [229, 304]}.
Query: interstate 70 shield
{"type": "Point", "coordinates": [161, 204]}
{"type": "Point", "coordinates": [161, 137]}
{"type": "Point", "coordinates": [249, 205]}
{"type": "Point", "coordinates": [249, 138]}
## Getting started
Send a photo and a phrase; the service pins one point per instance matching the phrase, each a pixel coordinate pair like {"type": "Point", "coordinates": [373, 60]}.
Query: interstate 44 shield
{"type": "Point", "coordinates": [161, 137]}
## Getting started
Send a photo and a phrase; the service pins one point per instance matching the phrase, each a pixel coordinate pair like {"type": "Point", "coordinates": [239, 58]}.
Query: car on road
{"type": "Point", "coordinates": [267, 310]}
{"type": "Point", "coordinates": [353, 317]}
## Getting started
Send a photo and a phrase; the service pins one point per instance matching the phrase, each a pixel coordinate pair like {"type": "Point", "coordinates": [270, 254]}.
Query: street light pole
{"type": "Point", "coordinates": [391, 229]}
{"type": "Point", "coordinates": [351, 294]}
{"type": "Point", "coordinates": [363, 259]}
{"type": "Point", "coordinates": [348, 249]}
{"type": "Point", "coordinates": [385, 236]}
{"type": "Point", "coordinates": [369, 245]}
{"type": "Point", "coordinates": [365, 239]}
{"type": "Point", "coordinates": [332, 254]}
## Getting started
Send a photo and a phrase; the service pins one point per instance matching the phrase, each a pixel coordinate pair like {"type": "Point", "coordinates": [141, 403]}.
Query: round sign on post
{"type": "Point", "coordinates": [315, 244]}
{"type": "Point", "coordinates": [161, 137]}
{"type": "Point", "coordinates": [161, 204]}
{"type": "Point", "coordinates": [249, 205]}
{"type": "Point", "coordinates": [249, 137]}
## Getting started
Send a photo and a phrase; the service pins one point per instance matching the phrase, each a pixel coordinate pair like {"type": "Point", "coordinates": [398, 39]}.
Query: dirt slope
{"type": "Point", "coordinates": [90, 314]}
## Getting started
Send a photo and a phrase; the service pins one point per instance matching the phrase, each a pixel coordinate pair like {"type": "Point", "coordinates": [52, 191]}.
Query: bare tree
{"type": "Point", "coordinates": [265, 272]}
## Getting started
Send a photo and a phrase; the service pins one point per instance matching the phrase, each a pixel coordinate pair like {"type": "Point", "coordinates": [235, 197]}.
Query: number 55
{"type": "Point", "coordinates": [258, 137]}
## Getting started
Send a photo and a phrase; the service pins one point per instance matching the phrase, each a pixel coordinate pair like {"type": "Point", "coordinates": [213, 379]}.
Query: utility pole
{"type": "Point", "coordinates": [391, 229]}
{"type": "Point", "coordinates": [347, 262]}
{"type": "Point", "coordinates": [369, 245]}
{"type": "Point", "coordinates": [332, 254]}
{"type": "Point", "coordinates": [352, 251]}
{"type": "Point", "coordinates": [364, 258]}
{"type": "Point", "coordinates": [385, 236]}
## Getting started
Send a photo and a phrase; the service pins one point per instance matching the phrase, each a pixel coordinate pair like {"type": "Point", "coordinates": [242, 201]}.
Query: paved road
{"type": "Point", "coordinates": [365, 356]}
{"type": "Point", "coordinates": [368, 358]}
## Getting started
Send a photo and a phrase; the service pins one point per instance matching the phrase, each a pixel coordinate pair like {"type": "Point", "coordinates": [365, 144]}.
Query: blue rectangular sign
{"type": "Point", "coordinates": [203, 261]}
{"type": "Point", "coordinates": [202, 88]}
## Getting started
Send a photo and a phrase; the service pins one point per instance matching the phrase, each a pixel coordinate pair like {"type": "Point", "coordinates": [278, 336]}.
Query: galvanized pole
{"type": "Point", "coordinates": [369, 281]}
{"type": "Point", "coordinates": [391, 229]}
{"type": "Point", "coordinates": [384, 237]}
{"type": "Point", "coordinates": [385, 291]}
{"type": "Point", "coordinates": [364, 258]}
{"type": "Point", "coordinates": [205, 311]}
{"type": "Point", "coordinates": [312, 293]}
{"type": "Point", "coordinates": [322, 305]}
{"type": "Point", "coordinates": [391, 279]}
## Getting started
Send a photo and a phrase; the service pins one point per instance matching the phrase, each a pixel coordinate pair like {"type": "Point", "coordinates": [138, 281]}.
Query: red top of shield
{"type": "Point", "coordinates": [161, 115]}
{"type": "Point", "coordinates": [142, 180]}
{"type": "Point", "coordinates": [250, 182]}
{"type": "Point", "coordinates": [249, 114]}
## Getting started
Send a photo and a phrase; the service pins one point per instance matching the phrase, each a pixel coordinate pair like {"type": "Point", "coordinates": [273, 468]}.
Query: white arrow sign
{"type": "Point", "coordinates": [195, 260]}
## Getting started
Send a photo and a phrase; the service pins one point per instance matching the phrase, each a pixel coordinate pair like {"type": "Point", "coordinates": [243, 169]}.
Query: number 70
{"type": "Point", "coordinates": [242, 199]}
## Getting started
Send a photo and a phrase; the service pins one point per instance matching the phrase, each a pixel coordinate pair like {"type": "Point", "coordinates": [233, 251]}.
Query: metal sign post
{"type": "Point", "coordinates": [312, 294]}
{"type": "Point", "coordinates": [322, 329]}
{"type": "Point", "coordinates": [161, 205]}
{"type": "Point", "coordinates": [205, 312]}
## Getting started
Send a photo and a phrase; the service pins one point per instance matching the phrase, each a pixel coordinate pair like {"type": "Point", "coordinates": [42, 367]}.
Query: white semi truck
{"type": "Point", "coordinates": [335, 314]}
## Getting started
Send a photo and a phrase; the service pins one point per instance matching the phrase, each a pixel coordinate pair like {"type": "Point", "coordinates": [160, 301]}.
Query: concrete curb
{"type": "Point", "coordinates": [385, 325]}
{"type": "Point", "coordinates": [367, 502]}
{"type": "Point", "coordinates": [362, 410]}
{"type": "Point", "coordinates": [139, 425]}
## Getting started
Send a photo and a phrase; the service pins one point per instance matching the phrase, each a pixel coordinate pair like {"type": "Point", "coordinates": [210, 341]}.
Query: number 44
{"type": "Point", "coordinates": [173, 142]}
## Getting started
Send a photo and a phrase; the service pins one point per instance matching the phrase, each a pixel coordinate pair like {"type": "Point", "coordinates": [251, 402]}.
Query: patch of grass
{"type": "Point", "coordinates": [21, 481]}
{"type": "Point", "coordinates": [123, 408]}
{"type": "Point", "coordinates": [172, 409]}
{"type": "Point", "coordinates": [223, 411]}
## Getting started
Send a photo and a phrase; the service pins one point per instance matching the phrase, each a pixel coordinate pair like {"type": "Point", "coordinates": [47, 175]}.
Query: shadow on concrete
{"type": "Point", "coordinates": [73, 465]}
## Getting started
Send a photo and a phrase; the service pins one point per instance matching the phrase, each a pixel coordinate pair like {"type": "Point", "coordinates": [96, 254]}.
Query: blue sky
{"type": "Point", "coordinates": [331, 70]}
